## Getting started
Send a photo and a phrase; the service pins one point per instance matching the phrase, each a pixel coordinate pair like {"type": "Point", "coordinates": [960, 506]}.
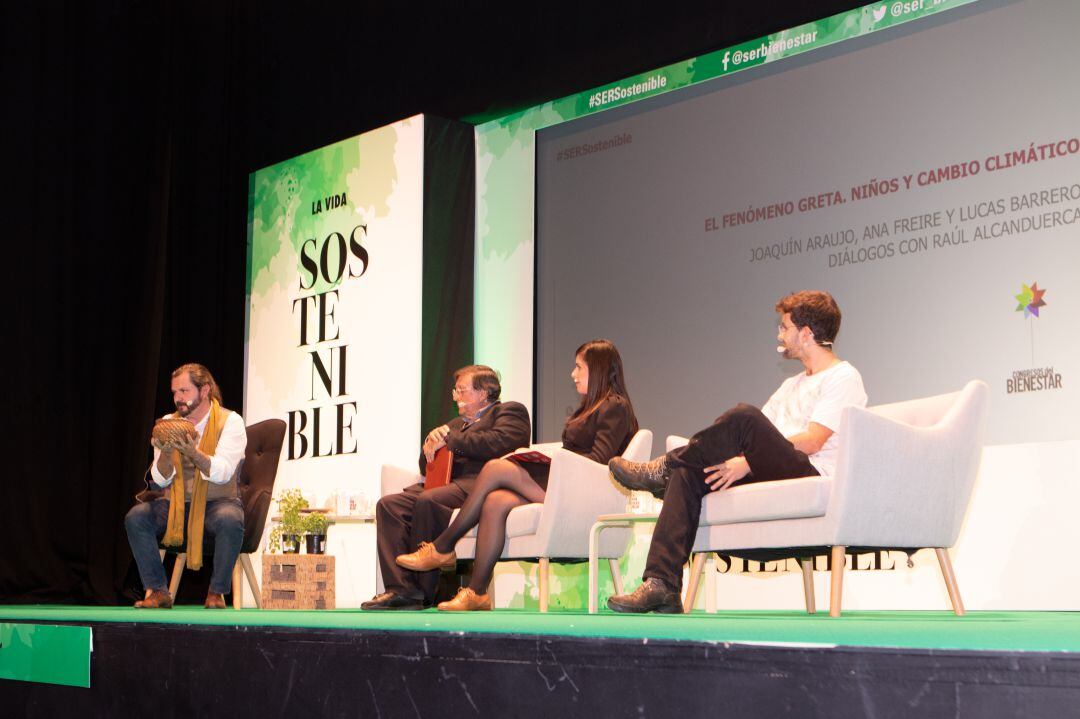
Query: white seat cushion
{"type": "Point", "coordinates": [520, 522]}
{"type": "Point", "coordinates": [524, 520]}
{"type": "Point", "coordinates": [763, 501]}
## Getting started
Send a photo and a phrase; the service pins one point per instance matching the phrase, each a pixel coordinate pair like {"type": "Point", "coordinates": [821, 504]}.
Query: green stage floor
{"type": "Point", "coordinates": [986, 631]}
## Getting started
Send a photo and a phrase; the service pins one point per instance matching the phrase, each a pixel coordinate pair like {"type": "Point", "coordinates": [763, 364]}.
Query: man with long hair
{"type": "Point", "coordinates": [197, 472]}
{"type": "Point", "coordinates": [793, 435]}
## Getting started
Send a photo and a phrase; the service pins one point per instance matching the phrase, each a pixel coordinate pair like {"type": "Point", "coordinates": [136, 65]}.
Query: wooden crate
{"type": "Point", "coordinates": [297, 581]}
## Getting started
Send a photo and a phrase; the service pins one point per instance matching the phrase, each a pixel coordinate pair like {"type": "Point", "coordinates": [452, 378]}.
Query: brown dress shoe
{"type": "Point", "coordinates": [214, 601]}
{"type": "Point", "coordinates": [467, 601]}
{"type": "Point", "coordinates": [652, 595]}
{"type": "Point", "coordinates": [156, 599]}
{"type": "Point", "coordinates": [427, 558]}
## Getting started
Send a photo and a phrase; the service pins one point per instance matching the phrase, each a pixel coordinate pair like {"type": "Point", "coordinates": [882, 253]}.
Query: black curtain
{"type": "Point", "coordinates": [129, 130]}
{"type": "Point", "coordinates": [129, 261]}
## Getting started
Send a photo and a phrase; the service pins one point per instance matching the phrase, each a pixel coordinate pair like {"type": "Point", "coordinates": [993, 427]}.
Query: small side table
{"type": "Point", "coordinates": [352, 539]}
{"type": "Point", "coordinates": [606, 521]}
{"type": "Point", "coordinates": [341, 518]}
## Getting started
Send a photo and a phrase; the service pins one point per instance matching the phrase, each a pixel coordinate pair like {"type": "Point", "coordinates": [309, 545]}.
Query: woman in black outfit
{"type": "Point", "coordinates": [599, 429]}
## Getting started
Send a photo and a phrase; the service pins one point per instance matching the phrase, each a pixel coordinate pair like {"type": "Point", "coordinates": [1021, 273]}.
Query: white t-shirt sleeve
{"type": "Point", "coordinates": [771, 408]}
{"type": "Point", "coordinates": [839, 389]}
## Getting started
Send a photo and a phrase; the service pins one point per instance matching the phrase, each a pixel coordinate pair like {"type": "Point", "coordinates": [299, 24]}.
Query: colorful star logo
{"type": "Point", "coordinates": [1030, 299]}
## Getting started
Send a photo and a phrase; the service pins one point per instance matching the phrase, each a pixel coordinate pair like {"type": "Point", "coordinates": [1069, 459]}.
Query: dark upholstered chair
{"type": "Point", "coordinates": [256, 486]}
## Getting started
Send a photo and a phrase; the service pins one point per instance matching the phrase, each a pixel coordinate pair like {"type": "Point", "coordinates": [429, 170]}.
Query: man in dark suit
{"type": "Point", "coordinates": [485, 429]}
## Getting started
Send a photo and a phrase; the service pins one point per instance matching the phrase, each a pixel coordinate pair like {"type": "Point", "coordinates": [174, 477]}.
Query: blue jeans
{"type": "Point", "coordinates": [224, 523]}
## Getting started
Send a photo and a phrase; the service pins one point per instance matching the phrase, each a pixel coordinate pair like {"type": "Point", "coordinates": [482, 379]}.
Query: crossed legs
{"type": "Point", "coordinates": [501, 486]}
{"type": "Point", "coordinates": [405, 520]}
{"type": "Point", "coordinates": [741, 430]}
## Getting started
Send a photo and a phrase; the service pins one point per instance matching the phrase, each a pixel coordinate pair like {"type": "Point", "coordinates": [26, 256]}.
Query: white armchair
{"type": "Point", "coordinates": [578, 490]}
{"type": "Point", "coordinates": [396, 479]}
{"type": "Point", "coordinates": [904, 478]}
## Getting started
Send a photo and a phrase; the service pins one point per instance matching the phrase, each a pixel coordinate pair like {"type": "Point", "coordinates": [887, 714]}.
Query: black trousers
{"type": "Point", "coordinates": [404, 520]}
{"type": "Point", "coordinates": [741, 430]}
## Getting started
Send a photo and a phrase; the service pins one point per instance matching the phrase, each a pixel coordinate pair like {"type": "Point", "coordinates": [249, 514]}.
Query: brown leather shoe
{"type": "Point", "coordinates": [652, 595]}
{"type": "Point", "coordinates": [156, 599]}
{"type": "Point", "coordinates": [467, 601]}
{"type": "Point", "coordinates": [214, 601]}
{"type": "Point", "coordinates": [427, 558]}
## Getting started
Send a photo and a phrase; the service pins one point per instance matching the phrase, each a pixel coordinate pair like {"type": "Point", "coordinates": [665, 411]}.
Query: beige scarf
{"type": "Point", "coordinates": [174, 532]}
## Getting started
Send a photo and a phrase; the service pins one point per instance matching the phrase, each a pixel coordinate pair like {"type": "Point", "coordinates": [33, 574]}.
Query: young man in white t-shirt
{"type": "Point", "coordinates": [793, 435]}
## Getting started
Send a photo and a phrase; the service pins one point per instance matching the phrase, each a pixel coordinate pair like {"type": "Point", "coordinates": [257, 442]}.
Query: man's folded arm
{"type": "Point", "coordinates": [812, 440]}
{"type": "Point", "coordinates": [509, 430]}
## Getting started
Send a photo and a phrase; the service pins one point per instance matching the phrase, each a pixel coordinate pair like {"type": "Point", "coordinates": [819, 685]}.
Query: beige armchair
{"type": "Point", "coordinates": [557, 529]}
{"type": "Point", "coordinates": [903, 480]}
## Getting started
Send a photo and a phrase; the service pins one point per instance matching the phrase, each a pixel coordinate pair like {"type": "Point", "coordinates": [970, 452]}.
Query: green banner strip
{"type": "Point", "coordinates": [770, 48]}
{"type": "Point", "coordinates": [46, 653]}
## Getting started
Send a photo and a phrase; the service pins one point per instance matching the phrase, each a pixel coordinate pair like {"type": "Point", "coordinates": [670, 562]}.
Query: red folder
{"type": "Point", "coordinates": [438, 469]}
{"type": "Point", "coordinates": [530, 456]}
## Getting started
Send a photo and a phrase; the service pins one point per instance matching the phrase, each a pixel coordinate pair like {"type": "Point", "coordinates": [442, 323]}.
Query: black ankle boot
{"type": "Point", "coordinates": [653, 595]}
{"type": "Point", "coordinates": [649, 476]}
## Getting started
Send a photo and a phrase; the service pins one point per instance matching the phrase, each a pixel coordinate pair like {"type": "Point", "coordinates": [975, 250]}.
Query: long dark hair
{"type": "Point", "coordinates": [606, 379]}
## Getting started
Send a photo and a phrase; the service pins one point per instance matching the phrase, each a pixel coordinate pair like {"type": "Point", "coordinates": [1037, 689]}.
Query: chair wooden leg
{"type": "Point", "coordinates": [544, 562]}
{"type": "Point", "coordinates": [177, 572]}
{"type": "Point", "coordinates": [616, 578]}
{"type": "Point", "coordinates": [808, 584]}
{"type": "Point", "coordinates": [950, 580]}
{"type": "Point", "coordinates": [695, 578]}
{"type": "Point", "coordinates": [837, 588]}
{"type": "Point", "coordinates": [237, 586]}
{"type": "Point", "coordinates": [710, 583]}
{"type": "Point", "coordinates": [594, 567]}
{"type": "Point", "coordinates": [249, 572]}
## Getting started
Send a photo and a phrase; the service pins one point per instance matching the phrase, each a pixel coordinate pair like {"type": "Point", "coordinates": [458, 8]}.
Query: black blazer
{"type": "Point", "coordinates": [502, 428]}
{"type": "Point", "coordinates": [604, 433]}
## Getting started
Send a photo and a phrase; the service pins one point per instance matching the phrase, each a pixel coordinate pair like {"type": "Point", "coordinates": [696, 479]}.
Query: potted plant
{"type": "Point", "coordinates": [315, 525]}
{"type": "Point", "coordinates": [285, 536]}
